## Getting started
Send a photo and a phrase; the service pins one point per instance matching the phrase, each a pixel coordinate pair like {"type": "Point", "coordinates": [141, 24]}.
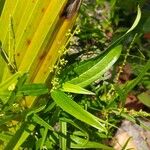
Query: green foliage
{"type": "Point", "coordinates": [98, 69]}
{"type": "Point", "coordinates": [144, 98]}
{"type": "Point", "coordinates": [69, 116]}
{"type": "Point", "coordinates": [74, 109]}
{"type": "Point", "coordinates": [146, 26]}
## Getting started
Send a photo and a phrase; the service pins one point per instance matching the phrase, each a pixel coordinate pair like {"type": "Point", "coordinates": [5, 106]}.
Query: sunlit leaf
{"type": "Point", "coordinates": [98, 69]}
{"type": "Point", "coordinates": [68, 87]}
{"type": "Point", "coordinates": [144, 98]}
{"type": "Point", "coordinates": [71, 107]}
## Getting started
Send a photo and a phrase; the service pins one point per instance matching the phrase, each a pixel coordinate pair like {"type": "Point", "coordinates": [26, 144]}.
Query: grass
{"type": "Point", "coordinates": [51, 98]}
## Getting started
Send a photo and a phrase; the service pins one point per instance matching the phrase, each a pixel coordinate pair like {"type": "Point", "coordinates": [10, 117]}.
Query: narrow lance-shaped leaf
{"type": "Point", "coordinates": [68, 87]}
{"type": "Point", "coordinates": [98, 69]}
{"type": "Point", "coordinates": [85, 65]}
{"type": "Point", "coordinates": [138, 17]}
{"type": "Point", "coordinates": [63, 139]}
{"type": "Point", "coordinates": [71, 107]}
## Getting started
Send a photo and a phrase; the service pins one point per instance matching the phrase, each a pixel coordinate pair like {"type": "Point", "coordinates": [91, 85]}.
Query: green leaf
{"type": "Point", "coordinates": [40, 121]}
{"type": "Point", "coordinates": [144, 98]}
{"type": "Point", "coordinates": [89, 144]}
{"type": "Point", "coordinates": [12, 99]}
{"type": "Point", "coordinates": [131, 118]}
{"type": "Point", "coordinates": [98, 69]}
{"type": "Point", "coordinates": [44, 135]}
{"type": "Point", "coordinates": [82, 67]}
{"type": "Point", "coordinates": [68, 87]}
{"type": "Point", "coordinates": [5, 119]}
{"type": "Point", "coordinates": [5, 137]}
{"type": "Point", "coordinates": [138, 17]}
{"type": "Point", "coordinates": [12, 80]}
{"type": "Point", "coordinates": [71, 107]}
{"type": "Point", "coordinates": [20, 136]}
{"type": "Point", "coordinates": [63, 139]}
{"type": "Point", "coordinates": [77, 124]}
{"type": "Point", "coordinates": [25, 90]}
{"type": "Point", "coordinates": [131, 84]}
{"type": "Point", "coordinates": [33, 90]}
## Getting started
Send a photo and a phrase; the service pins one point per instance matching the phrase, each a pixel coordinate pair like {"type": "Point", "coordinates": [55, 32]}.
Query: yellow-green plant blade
{"type": "Point", "coordinates": [57, 47]}
{"type": "Point", "coordinates": [45, 27]}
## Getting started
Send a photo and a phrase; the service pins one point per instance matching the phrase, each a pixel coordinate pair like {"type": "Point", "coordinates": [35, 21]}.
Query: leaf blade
{"type": "Point", "coordinates": [68, 87]}
{"type": "Point", "coordinates": [71, 107]}
{"type": "Point", "coordinates": [98, 69]}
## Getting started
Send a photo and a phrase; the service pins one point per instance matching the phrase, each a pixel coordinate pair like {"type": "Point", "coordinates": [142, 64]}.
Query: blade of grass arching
{"type": "Point", "coordinates": [32, 90]}
{"type": "Point", "coordinates": [98, 69]}
{"type": "Point", "coordinates": [83, 66]}
{"type": "Point", "coordinates": [137, 19]}
{"type": "Point", "coordinates": [71, 107]}
{"type": "Point", "coordinates": [63, 139]}
{"type": "Point", "coordinates": [50, 107]}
